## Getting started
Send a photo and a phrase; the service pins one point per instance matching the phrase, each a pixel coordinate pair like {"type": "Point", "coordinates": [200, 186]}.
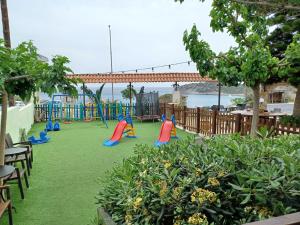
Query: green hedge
{"type": "Point", "coordinates": [225, 180]}
{"type": "Point", "coordinates": [290, 120]}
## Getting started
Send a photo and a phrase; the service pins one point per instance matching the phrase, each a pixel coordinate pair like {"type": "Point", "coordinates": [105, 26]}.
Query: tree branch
{"type": "Point", "coordinates": [17, 78]}
{"type": "Point", "coordinates": [266, 3]}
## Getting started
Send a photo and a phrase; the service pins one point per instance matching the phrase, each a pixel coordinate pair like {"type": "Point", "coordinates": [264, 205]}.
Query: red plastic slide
{"type": "Point", "coordinates": [165, 132]}
{"type": "Point", "coordinates": [117, 135]}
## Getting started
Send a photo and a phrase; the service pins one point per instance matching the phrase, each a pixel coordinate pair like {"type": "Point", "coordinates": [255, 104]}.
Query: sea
{"type": "Point", "coordinates": [193, 100]}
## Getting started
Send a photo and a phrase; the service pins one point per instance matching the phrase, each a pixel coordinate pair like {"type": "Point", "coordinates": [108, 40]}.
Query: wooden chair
{"type": "Point", "coordinates": [18, 174]}
{"type": "Point", "coordinates": [5, 203]}
{"type": "Point", "coordinates": [24, 144]}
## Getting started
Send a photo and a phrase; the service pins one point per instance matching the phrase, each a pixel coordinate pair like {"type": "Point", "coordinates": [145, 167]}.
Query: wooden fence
{"type": "Point", "coordinates": [211, 122]}
{"type": "Point", "coordinates": [198, 120]}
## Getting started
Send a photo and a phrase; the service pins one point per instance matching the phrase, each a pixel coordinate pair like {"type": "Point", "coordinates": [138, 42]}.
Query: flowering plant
{"type": "Point", "coordinates": [224, 180]}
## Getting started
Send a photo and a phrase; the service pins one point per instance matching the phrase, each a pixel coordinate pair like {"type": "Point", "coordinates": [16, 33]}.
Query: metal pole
{"type": "Point", "coordinates": [83, 95]}
{"type": "Point", "coordinates": [219, 96]}
{"type": "Point", "coordinates": [111, 65]}
{"type": "Point", "coordinates": [130, 93]}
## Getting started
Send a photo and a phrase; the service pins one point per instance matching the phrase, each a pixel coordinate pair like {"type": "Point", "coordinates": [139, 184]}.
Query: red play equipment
{"type": "Point", "coordinates": [167, 131]}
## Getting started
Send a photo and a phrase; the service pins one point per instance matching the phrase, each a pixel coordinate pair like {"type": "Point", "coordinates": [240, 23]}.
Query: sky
{"type": "Point", "coordinates": [144, 33]}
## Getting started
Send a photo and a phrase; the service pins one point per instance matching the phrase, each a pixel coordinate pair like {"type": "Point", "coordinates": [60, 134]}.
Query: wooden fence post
{"type": "Point", "coordinates": [198, 120]}
{"type": "Point", "coordinates": [184, 117]}
{"type": "Point", "coordinates": [214, 122]}
{"type": "Point", "coordinates": [238, 121]}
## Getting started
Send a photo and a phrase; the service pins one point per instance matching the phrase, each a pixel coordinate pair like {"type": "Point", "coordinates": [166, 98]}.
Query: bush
{"type": "Point", "coordinates": [292, 120]}
{"type": "Point", "coordinates": [225, 180]}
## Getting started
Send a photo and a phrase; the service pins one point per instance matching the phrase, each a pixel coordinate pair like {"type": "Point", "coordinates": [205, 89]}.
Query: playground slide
{"type": "Point", "coordinates": [117, 135]}
{"type": "Point", "coordinates": [165, 133]}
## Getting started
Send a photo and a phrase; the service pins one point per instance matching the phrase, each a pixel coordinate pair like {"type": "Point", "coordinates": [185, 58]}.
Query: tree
{"type": "Point", "coordinates": [126, 92]}
{"type": "Point", "coordinates": [22, 73]}
{"type": "Point", "coordinates": [250, 63]}
{"type": "Point", "coordinates": [287, 25]}
{"type": "Point", "coordinates": [96, 98]}
{"type": "Point", "coordinates": [142, 90]}
{"type": "Point", "coordinates": [292, 55]}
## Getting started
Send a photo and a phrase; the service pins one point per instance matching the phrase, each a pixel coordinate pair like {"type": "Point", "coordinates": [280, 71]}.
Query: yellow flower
{"type": "Point", "coordinates": [213, 181]}
{"type": "Point", "coordinates": [202, 195]}
{"type": "Point", "coordinates": [198, 171]}
{"type": "Point", "coordinates": [167, 165]}
{"type": "Point", "coordinates": [198, 219]}
{"type": "Point", "coordinates": [177, 192]}
{"type": "Point", "coordinates": [221, 173]}
{"type": "Point", "coordinates": [137, 203]}
{"type": "Point", "coordinates": [163, 188]}
{"type": "Point", "coordinates": [178, 221]}
{"type": "Point", "coordinates": [264, 212]}
{"type": "Point", "coordinates": [128, 218]}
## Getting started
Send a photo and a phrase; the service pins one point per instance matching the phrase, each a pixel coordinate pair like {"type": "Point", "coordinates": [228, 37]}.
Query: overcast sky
{"type": "Point", "coordinates": [144, 32]}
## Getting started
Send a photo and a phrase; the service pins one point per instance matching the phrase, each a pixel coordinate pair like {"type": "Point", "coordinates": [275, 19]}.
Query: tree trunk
{"type": "Point", "coordinates": [5, 23]}
{"type": "Point", "coordinates": [255, 117]}
{"type": "Point", "coordinates": [3, 126]}
{"type": "Point", "coordinates": [296, 111]}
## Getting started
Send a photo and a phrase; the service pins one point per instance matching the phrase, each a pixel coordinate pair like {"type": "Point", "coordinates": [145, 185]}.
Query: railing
{"type": "Point", "coordinates": [76, 112]}
{"type": "Point", "coordinates": [211, 122]}
{"type": "Point", "coordinates": [198, 120]}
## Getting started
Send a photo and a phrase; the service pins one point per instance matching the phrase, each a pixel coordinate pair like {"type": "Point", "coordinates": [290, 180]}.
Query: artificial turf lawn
{"type": "Point", "coordinates": [66, 171]}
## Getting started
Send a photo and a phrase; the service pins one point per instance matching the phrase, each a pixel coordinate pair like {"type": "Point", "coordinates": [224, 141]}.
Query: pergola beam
{"type": "Point", "coordinates": [141, 77]}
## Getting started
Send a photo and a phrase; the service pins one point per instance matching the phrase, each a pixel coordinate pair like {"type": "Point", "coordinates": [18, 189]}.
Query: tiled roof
{"type": "Point", "coordinates": [141, 77]}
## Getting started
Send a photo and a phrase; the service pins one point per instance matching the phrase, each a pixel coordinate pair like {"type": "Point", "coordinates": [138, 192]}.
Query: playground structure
{"type": "Point", "coordinates": [147, 106]}
{"type": "Point", "coordinates": [43, 139]}
{"type": "Point", "coordinates": [67, 112]}
{"type": "Point", "coordinates": [167, 131]}
{"type": "Point", "coordinates": [125, 126]}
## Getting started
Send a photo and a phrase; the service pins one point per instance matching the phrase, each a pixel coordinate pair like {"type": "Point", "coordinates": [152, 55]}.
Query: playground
{"type": "Point", "coordinates": [68, 170]}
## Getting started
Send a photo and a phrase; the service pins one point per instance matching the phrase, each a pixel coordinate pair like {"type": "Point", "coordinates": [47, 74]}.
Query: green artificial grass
{"type": "Point", "coordinates": [66, 171]}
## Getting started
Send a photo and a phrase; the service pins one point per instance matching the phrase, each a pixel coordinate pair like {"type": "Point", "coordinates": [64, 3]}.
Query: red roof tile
{"type": "Point", "coordinates": [141, 77]}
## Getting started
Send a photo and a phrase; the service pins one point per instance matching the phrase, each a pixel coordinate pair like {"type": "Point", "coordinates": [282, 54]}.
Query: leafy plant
{"type": "Point", "coordinates": [290, 120]}
{"type": "Point", "coordinates": [22, 134]}
{"type": "Point", "coordinates": [126, 92]}
{"type": "Point", "coordinates": [225, 180]}
{"type": "Point", "coordinates": [238, 101]}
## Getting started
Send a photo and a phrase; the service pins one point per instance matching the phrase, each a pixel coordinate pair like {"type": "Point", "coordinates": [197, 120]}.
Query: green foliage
{"type": "Point", "coordinates": [126, 92]}
{"type": "Point", "coordinates": [290, 120]}
{"type": "Point", "coordinates": [142, 90]}
{"type": "Point", "coordinates": [96, 98]}
{"type": "Point", "coordinates": [250, 62]}
{"type": "Point", "coordinates": [22, 73]}
{"type": "Point", "coordinates": [292, 56]}
{"type": "Point", "coordinates": [238, 101]}
{"type": "Point", "coordinates": [225, 180]}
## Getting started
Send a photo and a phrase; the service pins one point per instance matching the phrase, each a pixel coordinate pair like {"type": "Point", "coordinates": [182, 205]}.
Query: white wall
{"type": "Point", "coordinates": [17, 118]}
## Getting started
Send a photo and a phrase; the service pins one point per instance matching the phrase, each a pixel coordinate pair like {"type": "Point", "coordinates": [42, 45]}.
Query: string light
{"type": "Point", "coordinates": [153, 67]}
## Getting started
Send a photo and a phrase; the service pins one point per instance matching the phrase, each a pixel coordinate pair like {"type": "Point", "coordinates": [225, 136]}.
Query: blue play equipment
{"type": "Point", "coordinates": [79, 110]}
{"type": "Point", "coordinates": [51, 127]}
{"type": "Point", "coordinates": [43, 139]}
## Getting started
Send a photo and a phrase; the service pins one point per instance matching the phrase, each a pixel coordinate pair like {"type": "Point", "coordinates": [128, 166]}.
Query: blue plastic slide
{"type": "Point", "coordinates": [43, 139]}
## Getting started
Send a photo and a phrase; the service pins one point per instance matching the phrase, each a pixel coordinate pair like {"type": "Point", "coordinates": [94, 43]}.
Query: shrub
{"type": "Point", "coordinates": [292, 120]}
{"type": "Point", "coordinates": [225, 180]}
